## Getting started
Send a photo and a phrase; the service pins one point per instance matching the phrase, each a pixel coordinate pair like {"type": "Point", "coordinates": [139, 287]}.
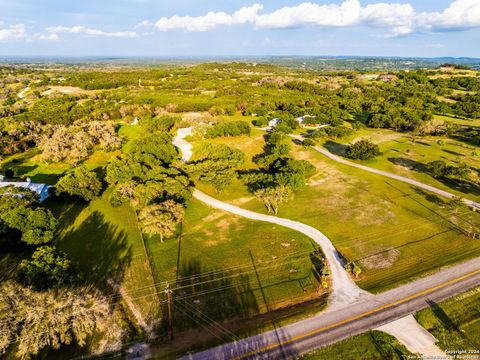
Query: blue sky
{"type": "Point", "coordinates": [223, 28]}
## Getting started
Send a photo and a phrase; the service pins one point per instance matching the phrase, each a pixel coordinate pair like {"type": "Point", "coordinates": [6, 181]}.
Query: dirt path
{"type": "Point", "coordinates": [345, 291]}
{"type": "Point", "coordinates": [443, 193]}
{"type": "Point", "coordinates": [351, 310]}
{"type": "Point", "coordinates": [21, 94]}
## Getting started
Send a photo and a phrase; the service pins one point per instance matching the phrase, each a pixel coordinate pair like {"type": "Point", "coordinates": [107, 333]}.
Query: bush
{"type": "Point", "coordinates": [216, 111]}
{"type": "Point", "coordinates": [308, 142]}
{"type": "Point", "coordinates": [362, 150]}
{"type": "Point", "coordinates": [260, 122]}
{"type": "Point", "coordinates": [230, 110]}
{"type": "Point", "coordinates": [234, 128]}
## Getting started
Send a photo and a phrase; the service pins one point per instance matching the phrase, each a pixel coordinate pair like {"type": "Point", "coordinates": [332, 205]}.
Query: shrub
{"type": "Point", "coordinates": [362, 150]}
{"type": "Point", "coordinates": [308, 142]}
{"type": "Point", "coordinates": [234, 128]}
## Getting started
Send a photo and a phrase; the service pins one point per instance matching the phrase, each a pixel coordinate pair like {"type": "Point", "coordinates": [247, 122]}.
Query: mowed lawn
{"type": "Point", "coordinates": [455, 322]}
{"type": "Point", "coordinates": [394, 231]}
{"type": "Point", "coordinates": [106, 244]}
{"type": "Point", "coordinates": [373, 345]}
{"type": "Point", "coordinates": [224, 266]}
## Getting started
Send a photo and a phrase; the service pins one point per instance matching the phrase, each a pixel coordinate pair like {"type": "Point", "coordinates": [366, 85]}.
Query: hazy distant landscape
{"type": "Point", "coordinates": [323, 63]}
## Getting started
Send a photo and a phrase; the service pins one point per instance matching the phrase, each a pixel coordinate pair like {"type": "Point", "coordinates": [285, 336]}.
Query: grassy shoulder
{"type": "Point", "coordinates": [455, 323]}
{"type": "Point", "coordinates": [371, 345]}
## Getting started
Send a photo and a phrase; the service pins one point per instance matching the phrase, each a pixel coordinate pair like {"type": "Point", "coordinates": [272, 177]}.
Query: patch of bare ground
{"type": "Point", "coordinates": [379, 138]}
{"type": "Point", "coordinates": [66, 90]}
{"type": "Point", "coordinates": [381, 260]}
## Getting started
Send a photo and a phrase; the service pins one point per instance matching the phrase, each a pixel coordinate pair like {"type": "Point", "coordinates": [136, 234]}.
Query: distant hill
{"type": "Point", "coordinates": [329, 63]}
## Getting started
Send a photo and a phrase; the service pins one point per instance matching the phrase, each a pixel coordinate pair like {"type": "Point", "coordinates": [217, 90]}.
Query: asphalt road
{"type": "Point", "coordinates": [337, 324]}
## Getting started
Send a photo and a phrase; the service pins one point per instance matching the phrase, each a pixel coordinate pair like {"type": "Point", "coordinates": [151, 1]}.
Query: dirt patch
{"type": "Point", "coordinates": [63, 90]}
{"type": "Point", "coordinates": [381, 260]}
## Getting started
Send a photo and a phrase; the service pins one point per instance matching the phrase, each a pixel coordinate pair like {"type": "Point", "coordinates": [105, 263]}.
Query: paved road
{"type": "Point", "coordinates": [404, 179]}
{"type": "Point", "coordinates": [338, 324]}
{"type": "Point", "coordinates": [352, 310]}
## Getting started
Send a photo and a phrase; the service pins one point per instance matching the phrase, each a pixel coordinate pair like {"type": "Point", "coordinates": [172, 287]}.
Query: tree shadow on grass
{"type": "Point", "coordinates": [100, 250]}
{"type": "Point", "coordinates": [464, 186]}
{"type": "Point", "coordinates": [211, 294]}
{"type": "Point", "coordinates": [444, 319]}
{"type": "Point", "coordinates": [408, 163]}
{"type": "Point", "coordinates": [335, 148]}
{"type": "Point", "coordinates": [431, 197]}
{"type": "Point", "coordinates": [208, 296]}
{"type": "Point", "coordinates": [452, 152]}
{"type": "Point", "coordinates": [64, 211]}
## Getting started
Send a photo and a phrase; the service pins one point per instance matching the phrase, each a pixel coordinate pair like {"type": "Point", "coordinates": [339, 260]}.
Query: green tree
{"type": "Point", "coordinates": [215, 164]}
{"type": "Point", "coordinates": [161, 219]}
{"type": "Point", "coordinates": [362, 150]}
{"type": "Point", "coordinates": [80, 182]}
{"type": "Point", "coordinates": [437, 168]}
{"type": "Point", "coordinates": [273, 197]}
{"type": "Point", "coordinates": [19, 210]}
{"type": "Point", "coordinates": [46, 269]}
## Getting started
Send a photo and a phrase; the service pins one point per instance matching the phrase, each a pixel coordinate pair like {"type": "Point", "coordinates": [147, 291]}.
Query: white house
{"type": "Point", "coordinates": [274, 122]}
{"type": "Point", "coordinates": [40, 189]}
{"type": "Point", "coordinates": [301, 120]}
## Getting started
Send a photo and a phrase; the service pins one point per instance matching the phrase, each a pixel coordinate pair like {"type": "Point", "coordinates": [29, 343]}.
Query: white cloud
{"type": "Point", "coordinates": [89, 31]}
{"type": "Point", "coordinates": [460, 15]}
{"type": "Point", "coordinates": [51, 36]}
{"type": "Point", "coordinates": [398, 19]}
{"type": "Point", "coordinates": [144, 23]}
{"type": "Point", "coordinates": [209, 21]}
{"type": "Point", "coordinates": [13, 32]}
{"type": "Point", "coordinates": [346, 14]}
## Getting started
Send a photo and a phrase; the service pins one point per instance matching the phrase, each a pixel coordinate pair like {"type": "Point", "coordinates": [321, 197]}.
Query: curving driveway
{"type": "Point", "coordinates": [443, 193]}
{"type": "Point", "coordinates": [352, 310]}
{"type": "Point", "coordinates": [344, 289]}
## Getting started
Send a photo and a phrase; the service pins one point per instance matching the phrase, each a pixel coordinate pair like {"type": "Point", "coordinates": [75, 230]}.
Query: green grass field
{"type": "Point", "coordinates": [455, 322]}
{"type": "Point", "coordinates": [106, 244]}
{"type": "Point", "coordinates": [395, 231]}
{"type": "Point", "coordinates": [225, 266]}
{"type": "Point", "coordinates": [373, 345]}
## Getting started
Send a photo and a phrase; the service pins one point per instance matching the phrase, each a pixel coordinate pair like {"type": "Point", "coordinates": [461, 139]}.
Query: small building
{"type": "Point", "coordinates": [303, 121]}
{"type": "Point", "coordinates": [41, 189]}
{"type": "Point", "coordinates": [273, 123]}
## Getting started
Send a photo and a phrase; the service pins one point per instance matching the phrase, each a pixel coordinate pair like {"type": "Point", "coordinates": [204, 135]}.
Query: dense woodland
{"type": "Point", "coordinates": [67, 117]}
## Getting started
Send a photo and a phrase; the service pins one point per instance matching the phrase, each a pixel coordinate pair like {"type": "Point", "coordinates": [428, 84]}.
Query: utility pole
{"type": "Point", "coordinates": [169, 293]}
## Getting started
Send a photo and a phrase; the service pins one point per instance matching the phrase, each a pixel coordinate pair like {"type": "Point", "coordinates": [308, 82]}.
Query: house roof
{"type": "Point", "coordinates": [40, 189]}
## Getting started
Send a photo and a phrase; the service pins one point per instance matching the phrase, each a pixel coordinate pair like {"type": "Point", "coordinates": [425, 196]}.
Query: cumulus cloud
{"type": "Point", "coordinates": [460, 15]}
{"type": "Point", "coordinates": [209, 21]}
{"type": "Point", "coordinates": [89, 31]}
{"type": "Point", "coordinates": [398, 19]}
{"type": "Point", "coordinates": [13, 32]}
